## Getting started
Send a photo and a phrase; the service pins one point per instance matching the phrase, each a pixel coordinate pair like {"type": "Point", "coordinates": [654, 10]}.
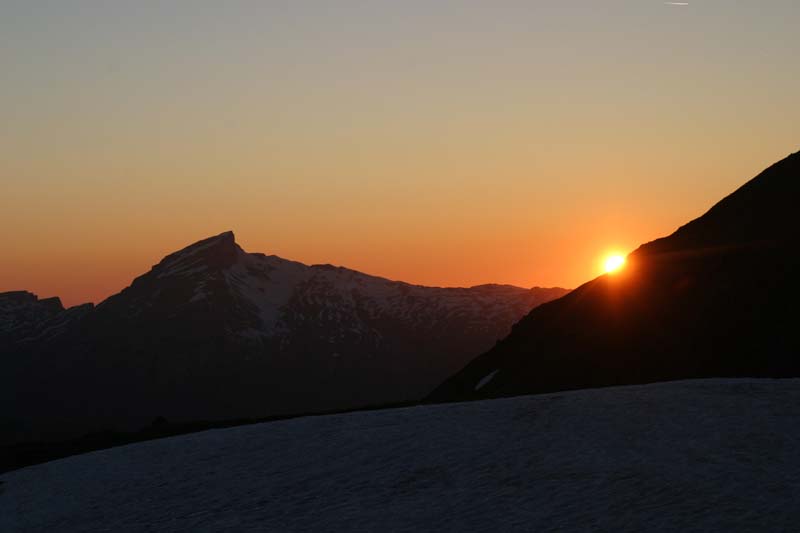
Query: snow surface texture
{"type": "Point", "coordinates": [713, 455]}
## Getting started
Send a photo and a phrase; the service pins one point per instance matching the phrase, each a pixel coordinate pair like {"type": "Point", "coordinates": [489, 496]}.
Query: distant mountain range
{"type": "Point", "coordinates": [213, 332]}
{"type": "Point", "coordinates": [718, 298]}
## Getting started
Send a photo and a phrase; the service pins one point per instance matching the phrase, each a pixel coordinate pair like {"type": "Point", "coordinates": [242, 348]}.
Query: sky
{"type": "Point", "coordinates": [446, 143]}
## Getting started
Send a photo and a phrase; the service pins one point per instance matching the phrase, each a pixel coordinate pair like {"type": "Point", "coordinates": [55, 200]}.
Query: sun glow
{"type": "Point", "coordinates": [613, 263]}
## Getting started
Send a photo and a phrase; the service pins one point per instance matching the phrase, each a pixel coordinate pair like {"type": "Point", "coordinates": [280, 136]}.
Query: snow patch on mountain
{"type": "Point", "coordinates": [484, 381]}
{"type": "Point", "coordinates": [349, 300]}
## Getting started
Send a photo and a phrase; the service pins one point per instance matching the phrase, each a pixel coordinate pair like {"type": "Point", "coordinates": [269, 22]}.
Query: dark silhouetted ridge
{"type": "Point", "coordinates": [763, 210]}
{"type": "Point", "coordinates": [718, 298]}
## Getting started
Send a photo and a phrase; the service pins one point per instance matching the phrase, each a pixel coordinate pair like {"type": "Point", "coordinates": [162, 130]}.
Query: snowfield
{"type": "Point", "coordinates": [711, 455]}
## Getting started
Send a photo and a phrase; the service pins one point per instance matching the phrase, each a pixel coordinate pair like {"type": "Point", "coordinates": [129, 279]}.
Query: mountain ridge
{"type": "Point", "coordinates": [713, 299]}
{"type": "Point", "coordinates": [213, 332]}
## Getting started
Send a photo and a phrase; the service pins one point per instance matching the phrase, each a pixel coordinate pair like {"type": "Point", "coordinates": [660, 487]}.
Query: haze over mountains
{"type": "Point", "coordinates": [718, 298]}
{"type": "Point", "coordinates": [214, 332]}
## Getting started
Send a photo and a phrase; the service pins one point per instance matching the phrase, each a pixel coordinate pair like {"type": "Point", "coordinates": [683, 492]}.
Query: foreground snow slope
{"type": "Point", "coordinates": [714, 455]}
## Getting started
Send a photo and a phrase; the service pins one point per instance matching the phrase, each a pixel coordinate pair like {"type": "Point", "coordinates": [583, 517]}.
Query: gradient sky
{"type": "Point", "coordinates": [443, 143]}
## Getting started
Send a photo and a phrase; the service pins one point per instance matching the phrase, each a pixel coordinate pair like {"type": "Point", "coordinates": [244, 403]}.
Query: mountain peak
{"type": "Point", "coordinates": [226, 235]}
{"type": "Point", "coordinates": [23, 311]}
{"type": "Point", "coordinates": [24, 298]}
{"type": "Point", "coordinates": [219, 251]}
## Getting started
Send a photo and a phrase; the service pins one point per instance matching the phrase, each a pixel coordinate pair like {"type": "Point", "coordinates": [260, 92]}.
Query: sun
{"type": "Point", "coordinates": [613, 263]}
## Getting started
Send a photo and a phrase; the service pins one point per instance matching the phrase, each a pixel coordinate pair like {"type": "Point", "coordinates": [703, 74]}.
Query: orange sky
{"type": "Point", "coordinates": [453, 144]}
{"type": "Point", "coordinates": [485, 230]}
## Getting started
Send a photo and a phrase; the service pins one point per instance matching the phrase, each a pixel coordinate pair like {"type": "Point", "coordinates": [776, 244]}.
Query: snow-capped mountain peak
{"type": "Point", "coordinates": [212, 331]}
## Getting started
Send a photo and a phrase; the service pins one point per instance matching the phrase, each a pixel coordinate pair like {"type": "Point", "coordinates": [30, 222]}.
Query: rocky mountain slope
{"type": "Point", "coordinates": [24, 318]}
{"type": "Point", "coordinates": [717, 298]}
{"type": "Point", "coordinates": [214, 332]}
